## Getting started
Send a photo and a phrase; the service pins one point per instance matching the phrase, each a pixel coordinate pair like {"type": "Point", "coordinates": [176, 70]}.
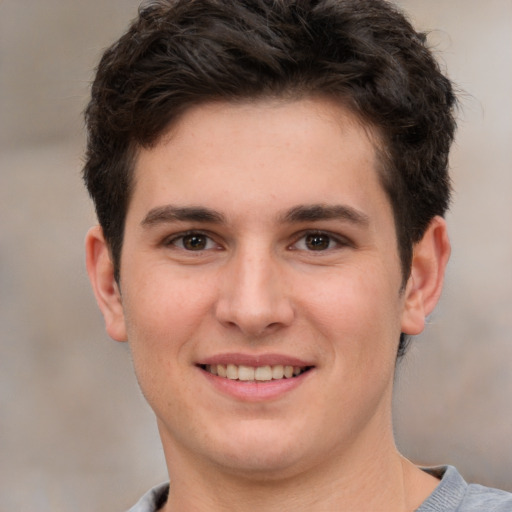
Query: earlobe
{"type": "Point", "coordinates": [430, 257]}
{"type": "Point", "coordinates": [101, 274]}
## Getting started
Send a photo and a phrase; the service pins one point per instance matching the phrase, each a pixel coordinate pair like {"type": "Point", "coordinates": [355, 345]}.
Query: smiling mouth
{"type": "Point", "coordinates": [255, 374]}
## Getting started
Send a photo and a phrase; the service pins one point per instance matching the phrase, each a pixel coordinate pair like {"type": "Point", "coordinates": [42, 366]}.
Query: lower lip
{"type": "Point", "coordinates": [252, 391]}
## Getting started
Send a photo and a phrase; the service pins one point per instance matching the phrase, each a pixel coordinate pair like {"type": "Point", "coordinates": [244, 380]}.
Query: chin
{"type": "Point", "coordinates": [260, 454]}
{"type": "Point", "coordinates": [264, 467]}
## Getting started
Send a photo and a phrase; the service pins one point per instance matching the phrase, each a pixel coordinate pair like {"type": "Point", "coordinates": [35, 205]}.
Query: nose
{"type": "Point", "coordinates": [253, 295]}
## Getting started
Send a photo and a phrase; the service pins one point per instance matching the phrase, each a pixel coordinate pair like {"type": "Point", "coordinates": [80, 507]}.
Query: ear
{"type": "Point", "coordinates": [101, 274]}
{"type": "Point", "coordinates": [430, 256]}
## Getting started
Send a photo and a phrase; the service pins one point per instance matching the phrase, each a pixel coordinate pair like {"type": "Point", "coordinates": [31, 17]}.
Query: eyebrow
{"type": "Point", "coordinates": [300, 213]}
{"type": "Point", "coordinates": [170, 213]}
{"type": "Point", "coordinates": [318, 212]}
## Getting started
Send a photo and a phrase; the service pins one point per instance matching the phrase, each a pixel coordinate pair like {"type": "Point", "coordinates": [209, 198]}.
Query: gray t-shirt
{"type": "Point", "coordinates": [452, 494]}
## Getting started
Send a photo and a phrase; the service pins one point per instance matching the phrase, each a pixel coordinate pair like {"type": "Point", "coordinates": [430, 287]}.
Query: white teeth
{"type": "Point", "coordinates": [277, 371]}
{"type": "Point", "coordinates": [250, 373]}
{"type": "Point", "coordinates": [263, 373]}
{"type": "Point", "coordinates": [245, 373]}
{"type": "Point", "coordinates": [232, 372]}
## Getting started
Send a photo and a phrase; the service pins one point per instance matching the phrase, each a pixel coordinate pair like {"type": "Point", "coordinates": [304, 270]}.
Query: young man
{"type": "Point", "coordinates": [270, 179]}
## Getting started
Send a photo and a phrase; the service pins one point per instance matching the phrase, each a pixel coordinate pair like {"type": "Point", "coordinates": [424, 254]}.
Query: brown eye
{"type": "Point", "coordinates": [195, 242]}
{"type": "Point", "coordinates": [317, 241]}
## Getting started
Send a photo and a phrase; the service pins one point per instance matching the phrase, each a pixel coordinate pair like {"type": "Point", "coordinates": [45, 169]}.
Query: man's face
{"type": "Point", "coordinates": [259, 242]}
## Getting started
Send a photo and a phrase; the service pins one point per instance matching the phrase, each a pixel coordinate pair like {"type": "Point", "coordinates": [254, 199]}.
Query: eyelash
{"type": "Point", "coordinates": [174, 239]}
{"type": "Point", "coordinates": [339, 241]}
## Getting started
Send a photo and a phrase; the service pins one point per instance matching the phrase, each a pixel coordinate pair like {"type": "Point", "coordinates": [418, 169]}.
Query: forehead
{"type": "Point", "coordinates": [261, 153]}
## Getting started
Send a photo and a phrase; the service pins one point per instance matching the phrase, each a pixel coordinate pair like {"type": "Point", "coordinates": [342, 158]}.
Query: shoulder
{"type": "Point", "coordinates": [152, 500]}
{"type": "Point", "coordinates": [453, 494]}
{"type": "Point", "coordinates": [480, 498]}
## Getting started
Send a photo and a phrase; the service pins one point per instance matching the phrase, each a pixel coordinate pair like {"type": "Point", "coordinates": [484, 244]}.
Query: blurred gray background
{"type": "Point", "coordinates": [75, 433]}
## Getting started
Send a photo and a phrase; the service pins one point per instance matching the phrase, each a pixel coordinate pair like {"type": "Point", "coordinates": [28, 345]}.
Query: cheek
{"type": "Point", "coordinates": [163, 320]}
{"type": "Point", "coordinates": [357, 311]}
{"type": "Point", "coordinates": [164, 313]}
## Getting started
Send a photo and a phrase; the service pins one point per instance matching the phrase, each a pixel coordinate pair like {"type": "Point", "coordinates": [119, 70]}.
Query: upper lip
{"type": "Point", "coordinates": [254, 360]}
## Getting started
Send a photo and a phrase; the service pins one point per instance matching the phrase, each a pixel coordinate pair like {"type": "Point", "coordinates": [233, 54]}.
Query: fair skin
{"type": "Point", "coordinates": [258, 234]}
